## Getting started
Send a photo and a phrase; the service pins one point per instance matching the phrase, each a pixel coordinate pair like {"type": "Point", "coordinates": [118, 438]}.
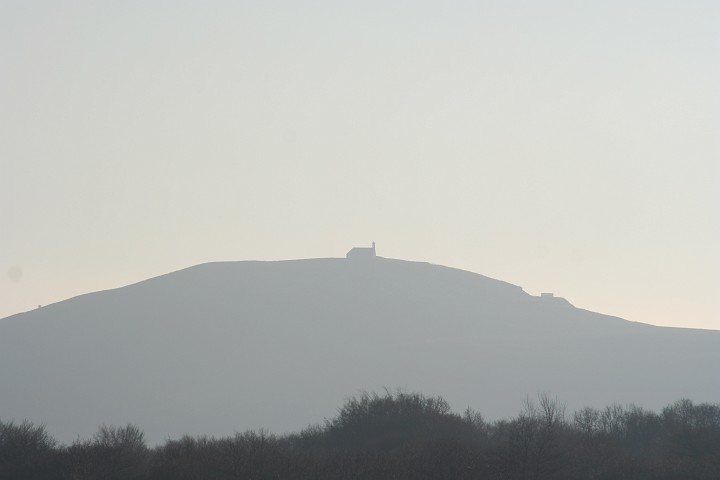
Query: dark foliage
{"type": "Point", "coordinates": [399, 436]}
{"type": "Point", "coordinates": [26, 451]}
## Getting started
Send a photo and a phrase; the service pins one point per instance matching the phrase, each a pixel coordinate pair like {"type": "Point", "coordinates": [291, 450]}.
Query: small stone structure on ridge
{"type": "Point", "coordinates": [361, 252]}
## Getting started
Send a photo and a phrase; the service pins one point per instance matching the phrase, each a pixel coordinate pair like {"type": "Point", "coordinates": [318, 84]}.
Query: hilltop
{"type": "Point", "coordinates": [229, 346]}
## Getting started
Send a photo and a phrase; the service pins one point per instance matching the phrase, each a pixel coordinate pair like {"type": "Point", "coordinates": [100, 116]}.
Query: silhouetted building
{"type": "Point", "coordinates": [361, 252]}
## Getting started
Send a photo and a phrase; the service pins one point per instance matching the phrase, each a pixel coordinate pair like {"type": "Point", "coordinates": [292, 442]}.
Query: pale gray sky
{"type": "Point", "coordinates": [562, 146]}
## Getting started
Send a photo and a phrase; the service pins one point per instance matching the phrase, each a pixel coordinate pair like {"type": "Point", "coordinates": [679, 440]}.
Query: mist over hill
{"type": "Point", "coordinates": [229, 346]}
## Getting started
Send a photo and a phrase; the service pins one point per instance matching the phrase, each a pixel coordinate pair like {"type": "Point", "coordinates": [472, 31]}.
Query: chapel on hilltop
{"type": "Point", "coordinates": [361, 252]}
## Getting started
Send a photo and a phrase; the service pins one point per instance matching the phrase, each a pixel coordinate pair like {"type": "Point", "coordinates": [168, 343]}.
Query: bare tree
{"type": "Point", "coordinates": [25, 450]}
{"type": "Point", "coordinates": [533, 448]}
{"type": "Point", "coordinates": [120, 453]}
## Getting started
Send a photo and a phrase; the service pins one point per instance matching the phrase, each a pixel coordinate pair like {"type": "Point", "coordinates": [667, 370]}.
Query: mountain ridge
{"type": "Point", "coordinates": [279, 344]}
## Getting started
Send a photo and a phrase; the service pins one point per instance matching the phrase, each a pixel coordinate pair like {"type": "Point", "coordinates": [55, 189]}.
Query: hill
{"type": "Point", "coordinates": [229, 346]}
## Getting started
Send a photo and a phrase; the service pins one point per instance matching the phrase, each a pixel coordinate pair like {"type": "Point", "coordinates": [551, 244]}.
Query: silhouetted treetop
{"type": "Point", "coordinates": [394, 419]}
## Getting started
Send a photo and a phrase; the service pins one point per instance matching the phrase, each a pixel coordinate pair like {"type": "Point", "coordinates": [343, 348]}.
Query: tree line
{"type": "Point", "coordinates": [397, 435]}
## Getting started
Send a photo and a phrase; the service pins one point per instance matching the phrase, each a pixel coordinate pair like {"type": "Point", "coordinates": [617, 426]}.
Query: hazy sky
{"type": "Point", "coordinates": [563, 146]}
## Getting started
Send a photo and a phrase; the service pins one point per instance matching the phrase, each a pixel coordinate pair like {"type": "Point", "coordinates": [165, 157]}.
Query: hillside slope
{"type": "Point", "coordinates": [229, 346]}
